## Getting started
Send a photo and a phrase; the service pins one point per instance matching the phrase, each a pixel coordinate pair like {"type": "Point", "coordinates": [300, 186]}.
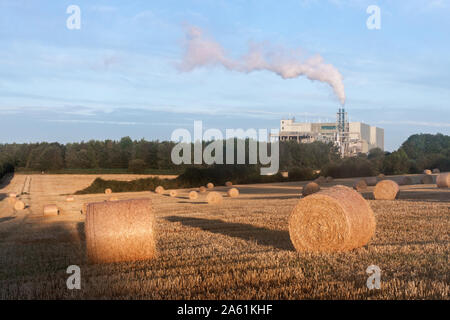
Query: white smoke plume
{"type": "Point", "coordinates": [203, 52]}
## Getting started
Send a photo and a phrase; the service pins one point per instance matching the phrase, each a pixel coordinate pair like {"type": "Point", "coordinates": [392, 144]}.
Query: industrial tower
{"type": "Point", "coordinates": [343, 135]}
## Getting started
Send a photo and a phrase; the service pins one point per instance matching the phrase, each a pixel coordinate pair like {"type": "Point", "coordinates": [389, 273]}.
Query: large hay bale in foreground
{"type": "Point", "coordinates": [108, 191]}
{"type": "Point", "coordinates": [310, 188]}
{"type": "Point", "coordinates": [443, 180]}
{"type": "Point", "coordinates": [202, 189]}
{"type": "Point", "coordinates": [406, 181]}
{"type": "Point", "coordinates": [371, 181]}
{"type": "Point", "coordinates": [19, 205]}
{"type": "Point", "coordinates": [120, 231]}
{"type": "Point", "coordinates": [427, 171]}
{"type": "Point", "coordinates": [228, 184]}
{"type": "Point", "coordinates": [210, 185]}
{"type": "Point", "coordinates": [51, 210]}
{"type": "Point", "coordinates": [193, 195]}
{"type": "Point", "coordinates": [173, 193]}
{"type": "Point", "coordinates": [159, 190]}
{"type": "Point", "coordinates": [233, 192]}
{"type": "Point", "coordinates": [360, 185]}
{"type": "Point", "coordinates": [426, 179]}
{"type": "Point", "coordinates": [386, 190]}
{"type": "Point", "coordinates": [214, 198]}
{"type": "Point", "coordinates": [436, 170]}
{"type": "Point", "coordinates": [335, 219]}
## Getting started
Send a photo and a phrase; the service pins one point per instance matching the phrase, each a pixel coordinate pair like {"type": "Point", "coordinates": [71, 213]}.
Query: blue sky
{"type": "Point", "coordinates": [118, 74]}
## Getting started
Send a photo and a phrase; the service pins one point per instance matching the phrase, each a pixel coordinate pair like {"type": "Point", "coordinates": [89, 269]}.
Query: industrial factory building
{"type": "Point", "coordinates": [351, 137]}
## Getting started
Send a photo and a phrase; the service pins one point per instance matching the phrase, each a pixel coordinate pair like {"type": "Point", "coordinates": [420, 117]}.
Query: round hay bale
{"type": "Point", "coordinates": [12, 195]}
{"type": "Point", "coordinates": [436, 170]}
{"type": "Point", "coordinates": [50, 210]}
{"type": "Point", "coordinates": [159, 190]}
{"type": "Point", "coordinates": [406, 181]}
{"type": "Point", "coordinates": [371, 181]}
{"type": "Point", "coordinates": [310, 188]}
{"type": "Point", "coordinates": [329, 179]}
{"type": "Point", "coordinates": [120, 231]}
{"type": "Point", "coordinates": [214, 198]}
{"type": "Point", "coordinates": [193, 195]}
{"type": "Point", "coordinates": [285, 174]}
{"type": "Point", "coordinates": [426, 179]}
{"type": "Point", "coordinates": [386, 190]}
{"type": "Point", "coordinates": [360, 185]}
{"type": "Point", "coordinates": [427, 171]}
{"type": "Point", "coordinates": [108, 191]}
{"type": "Point", "coordinates": [202, 189]}
{"type": "Point", "coordinates": [70, 199]}
{"type": "Point", "coordinates": [233, 192]}
{"type": "Point", "coordinates": [210, 185]}
{"type": "Point", "coordinates": [228, 184]}
{"type": "Point", "coordinates": [19, 205]}
{"type": "Point", "coordinates": [443, 180]}
{"type": "Point", "coordinates": [320, 180]}
{"type": "Point", "coordinates": [12, 201]}
{"type": "Point", "coordinates": [381, 176]}
{"type": "Point", "coordinates": [331, 220]}
{"type": "Point", "coordinates": [173, 193]}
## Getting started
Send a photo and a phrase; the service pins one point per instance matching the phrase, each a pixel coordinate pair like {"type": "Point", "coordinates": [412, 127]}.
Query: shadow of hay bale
{"type": "Point", "coordinates": [4, 219]}
{"type": "Point", "coordinates": [278, 239]}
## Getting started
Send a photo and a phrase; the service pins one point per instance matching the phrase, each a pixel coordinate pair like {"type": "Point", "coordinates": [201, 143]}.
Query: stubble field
{"type": "Point", "coordinates": [239, 249]}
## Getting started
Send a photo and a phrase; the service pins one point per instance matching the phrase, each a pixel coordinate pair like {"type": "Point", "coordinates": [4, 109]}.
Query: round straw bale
{"type": "Point", "coordinates": [173, 193]}
{"type": "Point", "coordinates": [406, 181]}
{"type": "Point", "coordinates": [443, 180]}
{"type": "Point", "coordinates": [202, 189]}
{"type": "Point", "coordinates": [320, 180]}
{"type": "Point", "coordinates": [285, 174]}
{"type": "Point", "coordinates": [193, 195]}
{"type": "Point", "coordinates": [12, 201]}
{"type": "Point", "coordinates": [334, 219]}
{"type": "Point", "coordinates": [233, 192]}
{"type": "Point", "coordinates": [51, 210]}
{"type": "Point", "coordinates": [386, 190]}
{"type": "Point", "coordinates": [120, 231]}
{"type": "Point", "coordinates": [427, 171]}
{"type": "Point", "coordinates": [210, 185]}
{"type": "Point", "coordinates": [381, 176]}
{"type": "Point", "coordinates": [12, 195]}
{"type": "Point", "coordinates": [329, 179]}
{"type": "Point", "coordinates": [427, 179]}
{"type": "Point", "coordinates": [214, 198]}
{"type": "Point", "coordinates": [310, 188]}
{"type": "Point", "coordinates": [436, 170]}
{"type": "Point", "coordinates": [371, 181]}
{"type": "Point", "coordinates": [159, 190]}
{"type": "Point", "coordinates": [19, 205]}
{"type": "Point", "coordinates": [70, 199]}
{"type": "Point", "coordinates": [228, 184]}
{"type": "Point", "coordinates": [108, 191]}
{"type": "Point", "coordinates": [360, 185]}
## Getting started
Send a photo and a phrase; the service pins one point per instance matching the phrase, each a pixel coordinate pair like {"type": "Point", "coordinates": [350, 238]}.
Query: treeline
{"type": "Point", "coordinates": [5, 166]}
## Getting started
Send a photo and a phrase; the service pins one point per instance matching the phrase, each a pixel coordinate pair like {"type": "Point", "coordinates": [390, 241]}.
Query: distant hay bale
{"type": "Point", "coordinates": [381, 176]}
{"type": "Point", "coordinates": [12, 195]}
{"type": "Point", "coordinates": [50, 210]}
{"type": "Point", "coordinates": [310, 188]}
{"type": "Point", "coordinates": [443, 180]}
{"type": "Point", "coordinates": [436, 170]}
{"type": "Point", "coordinates": [120, 231]}
{"type": "Point", "coordinates": [320, 180]}
{"type": "Point", "coordinates": [113, 199]}
{"type": "Point", "coordinates": [285, 174]}
{"type": "Point", "coordinates": [329, 179]}
{"type": "Point", "coordinates": [108, 191]}
{"type": "Point", "coordinates": [406, 181]}
{"type": "Point", "coordinates": [193, 195]}
{"type": "Point", "coordinates": [173, 193]}
{"type": "Point", "coordinates": [386, 190]}
{"type": "Point", "coordinates": [214, 198]}
{"type": "Point", "coordinates": [233, 192]}
{"type": "Point", "coordinates": [228, 184]}
{"type": "Point", "coordinates": [427, 179]}
{"type": "Point", "coordinates": [360, 185]}
{"type": "Point", "coordinates": [202, 189]}
{"type": "Point", "coordinates": [159, 190]}
{"type": "Point", "coordinates": [70, 199]}
{"type": "Point", "coordinates": [210, 185]}
{"type": "Point", "coordinates": [12, 201]}
{"type": "Point", "coordinates": [371, 181]}
{"type": "Point", "coordinates": [427, 171]}
{"type": "Point", "coordinates": [331, 220]}
{"type": "Point", "coordinates": [19, 205]}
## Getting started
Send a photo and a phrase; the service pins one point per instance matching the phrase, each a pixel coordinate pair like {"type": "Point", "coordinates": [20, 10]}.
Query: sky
{"type": "Point", "coordinates": [121, 73]}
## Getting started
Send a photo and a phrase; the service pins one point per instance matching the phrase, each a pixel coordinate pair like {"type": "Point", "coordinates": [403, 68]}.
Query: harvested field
{"type": "Point", "coordinates": [239, 249]}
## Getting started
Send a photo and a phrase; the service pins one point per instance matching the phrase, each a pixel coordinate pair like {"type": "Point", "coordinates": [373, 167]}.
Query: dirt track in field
{"type": "Point", "coordinates": [237, 250]}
